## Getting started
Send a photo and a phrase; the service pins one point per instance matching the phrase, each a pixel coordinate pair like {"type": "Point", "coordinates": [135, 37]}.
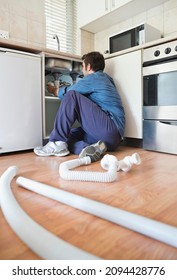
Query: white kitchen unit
{"type": "Point", "coordinates": [96, 15]}
{"type": "Point", "coordinates": [96, 9]}
{"type": "Point", "coordinates": [20, 101]}
{"type": "Point", "coordinates": [90, 10]}
{"type": "Point", "coordinates": [126, 70]}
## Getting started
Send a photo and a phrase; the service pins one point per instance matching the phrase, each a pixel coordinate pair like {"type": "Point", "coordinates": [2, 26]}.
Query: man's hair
{"type": "Point", "coordinates": [95, 59]}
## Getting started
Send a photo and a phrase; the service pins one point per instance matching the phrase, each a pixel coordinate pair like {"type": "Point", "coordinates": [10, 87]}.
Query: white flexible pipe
{"type": "Point", "coordinates": [154, 229]}
{"type": "Point", "coordinates": [124, 164]}
{"type": "Point", "coordinates": [67, 174]}
{"type": "Point", "coordinates": [42, 242]}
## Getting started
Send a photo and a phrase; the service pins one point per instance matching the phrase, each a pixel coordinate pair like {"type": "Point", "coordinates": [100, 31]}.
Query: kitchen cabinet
{"type": "Point", "coordinates": [126, 70]}
{"type": "Point", "coordinates": [91, 10]}
{"type": "Point", "coordinates": [98, 15]}
{"type": "Point", "coordinates": [115, 4]}
{"type": "Point", "coordinates": [20, 101]}
{"type": "Point", "coordinates": [60, 71]}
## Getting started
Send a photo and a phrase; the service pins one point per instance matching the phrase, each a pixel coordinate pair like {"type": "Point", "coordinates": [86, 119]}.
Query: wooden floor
{"type": "Point", "coordinates": [149, 189]}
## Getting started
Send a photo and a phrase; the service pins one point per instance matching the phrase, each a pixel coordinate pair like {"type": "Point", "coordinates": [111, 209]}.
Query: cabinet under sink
{"type": "Point", "coordinates": [60, 72]}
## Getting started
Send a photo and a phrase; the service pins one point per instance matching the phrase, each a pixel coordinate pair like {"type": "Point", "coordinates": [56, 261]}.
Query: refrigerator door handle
{"type": "Point", "coordinates": [169, 122]}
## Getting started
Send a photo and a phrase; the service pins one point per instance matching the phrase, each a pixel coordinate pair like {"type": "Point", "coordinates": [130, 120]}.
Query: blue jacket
{"type": "Point", "coordinates": [100, 88]}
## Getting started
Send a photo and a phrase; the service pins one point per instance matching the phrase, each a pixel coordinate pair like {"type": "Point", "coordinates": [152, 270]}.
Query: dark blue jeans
{"type": "Point", "coordinates": [95, 124]}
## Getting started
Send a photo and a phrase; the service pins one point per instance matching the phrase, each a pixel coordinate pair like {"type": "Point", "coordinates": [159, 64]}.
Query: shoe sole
{"type": "Point", "coordinates": [52, 154]}
{"type": "Point", "coordinates": [62, 155]}
{"type": "Point", "coordinates": [92, 153]}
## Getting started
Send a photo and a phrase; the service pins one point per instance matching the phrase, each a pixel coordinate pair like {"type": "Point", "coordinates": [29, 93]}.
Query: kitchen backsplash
{"type": "Point", "coordinates": [25, 21]}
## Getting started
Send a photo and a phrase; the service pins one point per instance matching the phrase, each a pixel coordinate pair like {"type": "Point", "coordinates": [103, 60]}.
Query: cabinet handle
{"type": "Point", "coordinates": [113, 3]}
{"type": "Point", "coordinates": [106, 5]}
{"type": "Point", "coordinates": [169, 122]}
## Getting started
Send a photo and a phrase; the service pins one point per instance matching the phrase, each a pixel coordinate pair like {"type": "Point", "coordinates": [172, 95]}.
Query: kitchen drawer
{"type": "Point", "coordinates": [160, 136]}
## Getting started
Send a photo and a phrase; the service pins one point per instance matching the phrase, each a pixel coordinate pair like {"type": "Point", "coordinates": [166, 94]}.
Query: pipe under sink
{"type": "Point", "coordinates": [58, 65]}
{"type": "Point", "coordinates": [54, 64]}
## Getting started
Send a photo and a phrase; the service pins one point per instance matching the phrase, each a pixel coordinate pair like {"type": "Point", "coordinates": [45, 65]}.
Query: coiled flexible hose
{"type": "Point", "coordinates": [67, 174]}
{"type": "Point", "coordinates": [109, 162]}
{"type": "Point", "coordinates": [42, 242]}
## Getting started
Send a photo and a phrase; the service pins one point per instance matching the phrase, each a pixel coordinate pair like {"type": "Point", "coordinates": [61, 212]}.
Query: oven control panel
{"type": "Point", "coordinates": [163, 51]}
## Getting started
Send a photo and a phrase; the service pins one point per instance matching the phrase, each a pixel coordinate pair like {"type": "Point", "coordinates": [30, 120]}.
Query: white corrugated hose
{"type": "Point", "coordinates": [38, 239]}
{"type": "Point", "coordinates": [151, 228]}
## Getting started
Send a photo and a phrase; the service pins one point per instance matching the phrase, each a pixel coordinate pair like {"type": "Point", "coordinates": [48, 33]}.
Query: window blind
{"type": "Point", "coordinates": [61, 20]}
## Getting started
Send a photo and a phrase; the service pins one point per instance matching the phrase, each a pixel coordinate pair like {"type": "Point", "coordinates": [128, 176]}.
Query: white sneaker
{"type": "Point", "coordinates": [94, 151]}
{"type": "Point", "coordinates": [58, 148]}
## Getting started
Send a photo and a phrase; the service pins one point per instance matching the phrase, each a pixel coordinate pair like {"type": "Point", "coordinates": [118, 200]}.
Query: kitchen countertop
{"type": "Point", "coordinates": [6, 43]}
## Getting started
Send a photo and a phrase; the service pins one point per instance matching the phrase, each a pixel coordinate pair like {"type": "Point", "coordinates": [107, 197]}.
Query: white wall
{"type": "Point", "coordinates": [24, 19]}
{"type": "Point", "coordinates": [163, 17]}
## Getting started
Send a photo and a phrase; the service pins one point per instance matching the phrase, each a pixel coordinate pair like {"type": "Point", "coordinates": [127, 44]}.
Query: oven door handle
{"type": "Point", "coordinates": [169, 122]}
{"type": "Point", "coordinates": [160, 68]}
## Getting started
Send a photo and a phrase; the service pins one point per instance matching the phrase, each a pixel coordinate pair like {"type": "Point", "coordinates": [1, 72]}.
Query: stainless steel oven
{"type": "Point", "coordinates": [160, 98]}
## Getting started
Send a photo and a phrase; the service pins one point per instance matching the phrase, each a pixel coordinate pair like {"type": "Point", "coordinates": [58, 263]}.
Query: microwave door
{"type": "Point", "coordinates": [129, 39]}
{"type": "Point", "coordinates": [135, 37]}
{"type": "Point", "coordinates": [123, 41]}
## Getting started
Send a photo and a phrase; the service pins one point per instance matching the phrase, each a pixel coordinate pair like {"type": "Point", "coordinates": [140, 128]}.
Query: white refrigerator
{"type": "Point", "coordinates": [20, 101]}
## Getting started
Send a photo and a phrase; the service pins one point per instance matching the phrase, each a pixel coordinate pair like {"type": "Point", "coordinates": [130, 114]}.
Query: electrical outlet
{"type": "Point", "coordinates": [4, 34]}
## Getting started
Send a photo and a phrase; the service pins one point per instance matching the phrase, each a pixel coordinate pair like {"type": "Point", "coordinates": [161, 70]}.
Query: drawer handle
{"type": "Point", "coordinates": [106, 5]}
{"type": "Point", "coordinates": [169, 122]}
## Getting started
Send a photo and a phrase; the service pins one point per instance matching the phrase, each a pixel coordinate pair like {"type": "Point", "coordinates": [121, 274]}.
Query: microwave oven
{"type": "Point", "coordinates": [133, 37]}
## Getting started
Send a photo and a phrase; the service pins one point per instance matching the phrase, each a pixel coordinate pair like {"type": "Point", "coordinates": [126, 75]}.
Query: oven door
{"type": "Point", "coordinates": [160, 91]}
{"type": "Point", "coordinates": [160, 107]}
